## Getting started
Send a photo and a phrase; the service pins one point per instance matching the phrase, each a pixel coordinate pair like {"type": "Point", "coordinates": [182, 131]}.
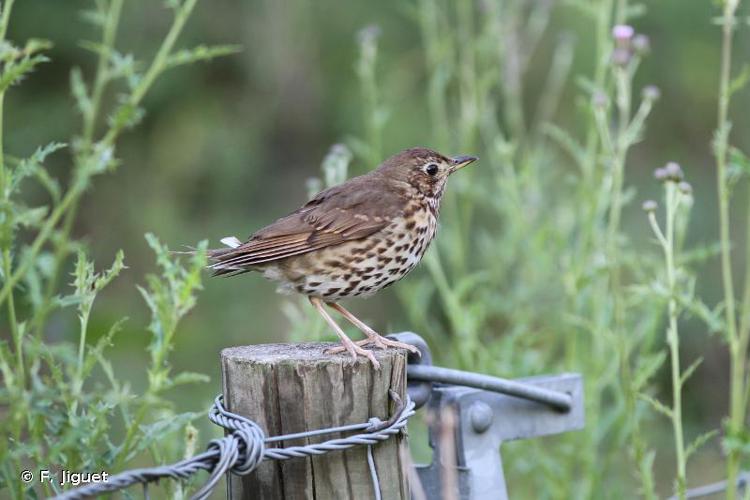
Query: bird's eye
{"type": "Point", "coordinates": [431, 169]}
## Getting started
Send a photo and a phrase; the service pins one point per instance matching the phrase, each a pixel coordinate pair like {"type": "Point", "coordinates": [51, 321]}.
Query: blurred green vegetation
{"type": "Point", "coordinates": [229, 145]}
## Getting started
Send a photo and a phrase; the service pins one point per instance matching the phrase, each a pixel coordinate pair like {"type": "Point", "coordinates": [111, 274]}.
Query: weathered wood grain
{"type": "Point", "coordinates": [288, 388]}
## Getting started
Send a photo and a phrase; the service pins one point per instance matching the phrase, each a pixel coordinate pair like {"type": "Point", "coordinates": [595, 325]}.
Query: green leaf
{"type": "Point", "coordinates": [699, 253]}
{"type": "Point", "coordinates": [656, 405]}
{"type": "Point", "coordinates": [739, 159]}
{"type": "Point", "coordinates": [201, 53]}
{"type": "Point", "coordinates": [720, 137]}
{"type": "Point", "coordinates": [739, 163]}
{"type": "Point", "coordinates": [93, 355]}
{"type": "Point", "coordinates": [739, 81]}
{"type": "Point", "coordinates": [123, 66]}
{"type": "Point", "coordinates": [155, 432]}
{"type": "Point", "coordinates": [648, 366]}
{"type": "Point", "coordinates": [713, 318]}
{"type": "Point", "coordinates": [737, 442]}
{"type": "Point", "coordinates": [566, 142]}
{"type": "Point", "coordinates": [95, 17]}
{"type": "Point", "coordinates": [29, 217]}
{"type": "Point", "coordinates": [587, 85]}
{"type": "Point", "coordinates": [50, 184]}
{"type": "Point", "coordinates": [32, 165]}
{"type": "Point", "coordinates": [14, 72]}
{"type": "Point", "coordinates": [107, 276]}
{"type": "Point", "coordinates": [698, 442]}
{"type": "Point", "coordinates": [690, 370]}
{"type": "Point", "coordinates": [10, 54]}
{"type": "Point", "coordinates": [126, 115]}
{"type": "Point", "coordinates": [188, 378]}
{"type": "Point", "coordinates": [80, 93]}
{"type": "Point", "coordinates": [95, 47]}
{"type": "Point", "coordinates": [646, 467]}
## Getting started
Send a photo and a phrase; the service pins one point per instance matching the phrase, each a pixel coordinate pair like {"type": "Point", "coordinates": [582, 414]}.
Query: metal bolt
{"type": "Point", "coordinates": [481, 416]}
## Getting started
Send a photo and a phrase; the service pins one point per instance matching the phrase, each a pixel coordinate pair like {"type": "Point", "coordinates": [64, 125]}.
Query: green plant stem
{"type": "Point", "coordinates": [158, 65]}
{"type": "Point", "coordinates": [737, 343]}
{"type": "Point", "coordinates": [603, 48]}
{"type": "Point", "coordinates": [6, 10]}
{"type": "Point", "coordinates": [71, 197]}
{"type": "Point", "coordinates": [7, 257]}
{"type": "Point", "coordinates": [13, 323]}
{"type": "Point", "coordinates": [100, 80]}
{"type": "Point", "coordinates": [627, 132]}
{"type": "Point", "coordinates": [590, 354]}
{"type": "Point", "coordinates": [18, 490]}
{"type": "Point", "coordinates": [673, 339]}
{"type": "Point", "coordinates": [618, 174]}
{"type": "Point", "coordinates": [89, 123]}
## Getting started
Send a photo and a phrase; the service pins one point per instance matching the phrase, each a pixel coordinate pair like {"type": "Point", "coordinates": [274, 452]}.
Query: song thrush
{"type": "Point", "coordinates": [351, 240]}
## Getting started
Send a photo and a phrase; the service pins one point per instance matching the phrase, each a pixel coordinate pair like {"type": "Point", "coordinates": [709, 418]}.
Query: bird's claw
{"type": "Point", "coordinates": [384, 343]}
{"type": "Point", "coordinates": [355, 350]}
{"type": "Point", "coordinates": [378, 342]}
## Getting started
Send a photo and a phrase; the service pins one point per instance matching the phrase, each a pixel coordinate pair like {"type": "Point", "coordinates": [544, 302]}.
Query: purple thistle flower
{"type": "Point", "coordinates": [623, 33]}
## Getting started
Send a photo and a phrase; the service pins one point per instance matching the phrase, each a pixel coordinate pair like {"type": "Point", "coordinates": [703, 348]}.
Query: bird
{"type": "Point", "coordinates": [350, 240]}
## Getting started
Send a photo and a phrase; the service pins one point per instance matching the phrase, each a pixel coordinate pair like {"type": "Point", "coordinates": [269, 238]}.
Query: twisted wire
{"type": "Point", "coordinates": [241, 451]}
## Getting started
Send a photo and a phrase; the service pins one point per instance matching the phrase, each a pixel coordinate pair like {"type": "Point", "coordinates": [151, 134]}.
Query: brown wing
{"type": "Point", "coordinates": [350, 211]}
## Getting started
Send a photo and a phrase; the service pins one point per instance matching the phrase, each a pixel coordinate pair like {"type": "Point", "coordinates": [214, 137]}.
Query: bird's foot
{"type": "Point", "coordinates": [384, 343]}
{"type": "Point", "coordinates": [379, 342]}
{"type": "Point", "coordinates": [355, 349]}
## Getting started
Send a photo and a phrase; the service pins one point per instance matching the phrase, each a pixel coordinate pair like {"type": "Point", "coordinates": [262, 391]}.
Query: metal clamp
{"type": "Point", "coordinates": [488, 411]}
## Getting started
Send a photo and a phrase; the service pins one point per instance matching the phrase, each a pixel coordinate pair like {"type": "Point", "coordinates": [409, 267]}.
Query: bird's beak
{"type": "Point", "coordinates": [460, 162]}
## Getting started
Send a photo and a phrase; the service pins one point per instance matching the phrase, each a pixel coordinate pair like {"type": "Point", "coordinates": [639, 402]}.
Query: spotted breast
{"type": "Point", "coordinates": [361, 268]}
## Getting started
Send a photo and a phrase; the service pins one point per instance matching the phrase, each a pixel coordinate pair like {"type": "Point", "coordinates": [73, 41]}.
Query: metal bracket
{"type": "Point", "coordinates": [483, 420]}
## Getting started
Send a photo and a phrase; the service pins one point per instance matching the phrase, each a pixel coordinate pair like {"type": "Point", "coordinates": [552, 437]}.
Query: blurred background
{"type": "Point", "coordinates": [229, 145]}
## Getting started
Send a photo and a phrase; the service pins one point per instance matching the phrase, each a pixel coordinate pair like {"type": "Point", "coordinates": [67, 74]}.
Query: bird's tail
{"type": "Point", "coordinates": [218, 257]}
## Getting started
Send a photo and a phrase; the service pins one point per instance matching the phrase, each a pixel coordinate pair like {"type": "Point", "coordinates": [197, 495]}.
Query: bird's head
{"type": "Point", "coordinates": [424, 169]}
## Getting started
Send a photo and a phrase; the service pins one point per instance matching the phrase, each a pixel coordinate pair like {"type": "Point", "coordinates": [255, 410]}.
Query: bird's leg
{"type": "Point", "coordinates": [372, 336]}
{"type": "Point", "coordinates": [348, 345]}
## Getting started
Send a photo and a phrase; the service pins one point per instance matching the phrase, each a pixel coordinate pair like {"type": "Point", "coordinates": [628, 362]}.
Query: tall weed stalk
{"type": "Point", "coordinates": [737, 326]}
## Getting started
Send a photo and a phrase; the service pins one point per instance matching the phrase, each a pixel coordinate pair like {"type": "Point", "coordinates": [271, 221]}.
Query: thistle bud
{"type": "Point", "coordinates": [651, 93]}
{"type": "Point", "coordinates": [660, 174]}
{"type": "Point", "coordinates": [599, 99]}
{"type": "Point", "coordinates": [674, 171]}
{"type": "Point", "coordinates": [641, 44]}
{"type": "Point", "coordinates": [621, 56]}
{"type": "Point", "coordinates": [685, 188]}
{"type": "Point", "coordinates": [649, 206]}
{"type": "Point", "coordinates": [369, 34]}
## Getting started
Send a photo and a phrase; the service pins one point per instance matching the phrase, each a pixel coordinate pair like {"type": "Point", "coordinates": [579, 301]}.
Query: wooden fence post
{"type": "Point", "coordinates": [288, 388]}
